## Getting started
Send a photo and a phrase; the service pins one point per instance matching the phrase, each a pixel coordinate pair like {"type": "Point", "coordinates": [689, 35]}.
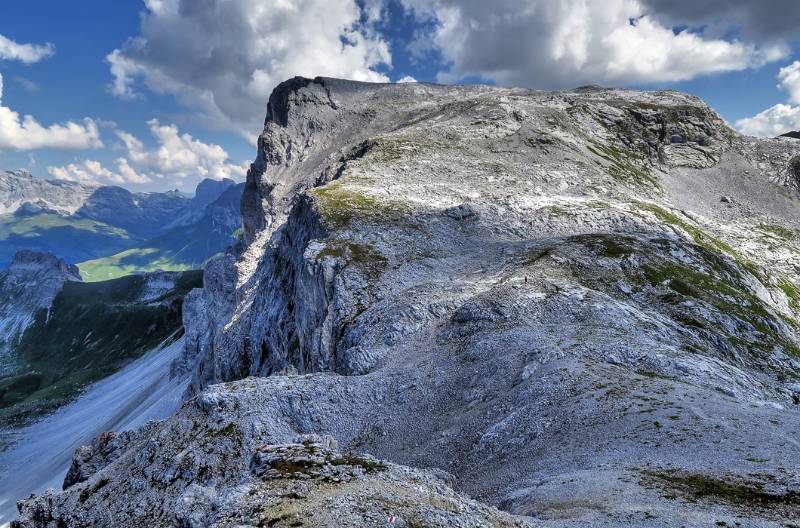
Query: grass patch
{"type": "Point", "coordinates": [391, 149]}
{"type": "Point", "coordinates": [339, 206]}
{"type": "Point", "coordinates": [649, 374]}
{"type": "Point", "coordinates": [778, 231]}
{"type": "Point", "coordinates": [701, 238]}
{"type": "Point", "coordinates": [624, 165]}
{"type": "Point", "coordinates": [178, 249]}
{"type": "Point", "coordinates": [791, 291]}
{"type": "Point", "coordinates": [558, 211]}
{"type": "Point", "coordinates": [722, 286]}
{"type": "Point", "coordinates": [363, 256]}
{"type": "Point", "coordinates": [138, 260]}
{"type": "Point", "coordinates": [711, 277]}
{"type": "Point", "coordinates": [74, 239]}
{"type": "Point", "coordinates": [698, 486]}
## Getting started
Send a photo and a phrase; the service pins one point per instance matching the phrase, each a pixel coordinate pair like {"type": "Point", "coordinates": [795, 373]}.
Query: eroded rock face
{"type": "Point", "coordinates": [540, 293]}
{"type": "Point", "coordinates": [87, 460]}
{"type": "Point", "coordinates": [793, 171]}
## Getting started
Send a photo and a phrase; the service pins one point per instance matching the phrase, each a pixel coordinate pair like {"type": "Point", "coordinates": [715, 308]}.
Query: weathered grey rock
{"type": "Point", "coordinates": [88, 460]}
{"type": "Point", "coordinates": [288, 484]}
{"type": "Point", "coordinates": [539, 293]}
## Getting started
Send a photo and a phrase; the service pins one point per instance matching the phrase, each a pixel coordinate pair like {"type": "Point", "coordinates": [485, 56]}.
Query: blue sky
{"type": "Point", "coordinates": [175, 91]}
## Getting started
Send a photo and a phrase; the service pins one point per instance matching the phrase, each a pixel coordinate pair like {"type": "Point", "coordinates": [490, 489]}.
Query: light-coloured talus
{"type": "Point", "coordinates": [41, 453]}
{"type": "Point", "coordinates": [582, 306]}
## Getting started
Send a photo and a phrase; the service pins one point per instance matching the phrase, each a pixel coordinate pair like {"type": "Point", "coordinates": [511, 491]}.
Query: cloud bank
{"type": "Point", "coordinates": [176, 157]}
{"type": "Point", "coordinates": [545, 44]}
{"type": "Point", "coordinates": [221, 58]}
{"type": "Point", "coordinates": [27, 53]}
{"type": "Point", "coordinates": [26, 133]}
{"type": "Point", "coordinates": [780, 118]}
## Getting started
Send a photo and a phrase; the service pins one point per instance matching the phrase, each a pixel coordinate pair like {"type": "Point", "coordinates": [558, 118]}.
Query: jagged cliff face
{"type": "Point", "coordinates": [581, 304]}
{"type": "Point", "coordinates": [282, 311]}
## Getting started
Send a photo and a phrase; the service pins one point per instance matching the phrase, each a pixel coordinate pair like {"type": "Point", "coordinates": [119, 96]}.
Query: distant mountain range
{"type": "Point", "coordinates": [795, 134]}
{"type": "Point", "coordinates": [109, 231]}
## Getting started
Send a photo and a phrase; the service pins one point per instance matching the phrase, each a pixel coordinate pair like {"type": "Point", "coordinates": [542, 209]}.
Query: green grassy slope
{"type": "Point", "coordinates": [92, 330]}
{"type": "Point", "coordinates": [74, 239]}
{"type": "Point", "coordinates": [178, 249]}
{"type": "Point", "coordinates": [130, 261]}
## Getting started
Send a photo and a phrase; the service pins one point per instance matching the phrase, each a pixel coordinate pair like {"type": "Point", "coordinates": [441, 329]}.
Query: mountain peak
{"type": "Point", "coordinates": [27, 262]}
{"type": "Point", "coordinates": [210, 189]}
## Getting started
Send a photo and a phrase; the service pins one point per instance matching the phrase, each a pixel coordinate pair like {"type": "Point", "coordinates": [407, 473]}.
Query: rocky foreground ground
{"type": "Point", "coordinates": [576, 307]}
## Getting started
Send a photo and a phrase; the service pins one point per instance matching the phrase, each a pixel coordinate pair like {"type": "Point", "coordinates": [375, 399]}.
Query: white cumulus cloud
{"type": "Point", "coordinates": [548, 44]}
{"type": "Point", "coordinates": [175, 157]}
{"type": "Point", "coordinates": [790, 81]}
{"type": "Point", "coordinates": [26, 133]}
{"type": "Point", "coordinates": [89, 171]}
{"type": "Point", "coordinates": [773, 121]}
{"type": "Point", "coordinates": [180, 155]}
{"type": "Point", "coordinates": [27, 53]}
{"type": "Point", "coordinates": [780, 118]}
{"type": "Point", "coordinates": [221, 58]}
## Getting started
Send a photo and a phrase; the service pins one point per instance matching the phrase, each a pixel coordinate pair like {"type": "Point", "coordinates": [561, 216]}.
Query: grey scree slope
{"type": "Point", "coordinates": [581, 307]}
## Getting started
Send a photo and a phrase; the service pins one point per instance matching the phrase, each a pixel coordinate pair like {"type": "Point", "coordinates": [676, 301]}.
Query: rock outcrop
{"type": "Point", "coordinates": [28, 285]}
{"type": "Point", "coordinates": [292, 484]}
{"type": "Point", "coordinates": [541, 293]}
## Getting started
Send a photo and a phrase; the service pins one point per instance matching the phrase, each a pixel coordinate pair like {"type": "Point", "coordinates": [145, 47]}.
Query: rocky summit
{"type": "Point", "coordinates": [561, 308]}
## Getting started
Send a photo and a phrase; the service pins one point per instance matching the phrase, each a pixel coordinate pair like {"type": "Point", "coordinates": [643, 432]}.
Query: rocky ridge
{"type": "Point", "coordinates": [580, 304]}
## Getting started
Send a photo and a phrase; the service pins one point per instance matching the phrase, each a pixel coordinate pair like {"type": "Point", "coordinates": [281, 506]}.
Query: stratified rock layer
{"type": "Point", "coordinates": [544, 294]}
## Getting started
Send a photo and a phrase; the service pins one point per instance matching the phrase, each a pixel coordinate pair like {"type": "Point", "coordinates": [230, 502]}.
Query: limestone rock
{"type": "Point", "coordinates": [539, 293]}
